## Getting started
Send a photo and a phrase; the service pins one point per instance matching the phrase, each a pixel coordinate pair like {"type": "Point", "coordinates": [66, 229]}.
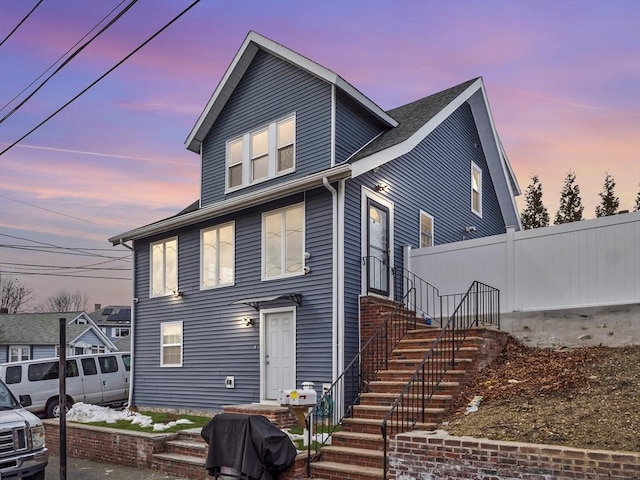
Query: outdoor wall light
{"type": "Point", "coordinates": [177, 293]}
{"type": "Point", "coordinates": [470, 229]}
{"type": "Point", "coordinates": [248, 321]}
{"type": "Point", "coordinates": [380, 187]}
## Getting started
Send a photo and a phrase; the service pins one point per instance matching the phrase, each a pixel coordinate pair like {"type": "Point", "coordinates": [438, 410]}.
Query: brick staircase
{"type": "Point", "coordinates": [183, 456]}
{"type": "Point", "coordinates": [356, 452]}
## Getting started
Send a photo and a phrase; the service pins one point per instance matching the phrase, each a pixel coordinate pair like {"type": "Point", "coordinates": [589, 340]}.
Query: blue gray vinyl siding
{"type": "Point", "coordinates": [355, 127]}
{"type": "Point", "coordinates": [434, 177]}
{"type": "Point", "coordinates": [270, 89]}
{"type": "Point", "coordinates": [90, 338]}
{"type": "Point", "coordinates": [42, 351]}
{"type": "Point", "coordinates": [4, 353]}
{"type": "Point", "coordinates": [215, 344]}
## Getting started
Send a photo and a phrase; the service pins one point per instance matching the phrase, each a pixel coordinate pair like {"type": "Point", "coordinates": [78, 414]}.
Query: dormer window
{"type": "Point", "coordinates": [261, 154]}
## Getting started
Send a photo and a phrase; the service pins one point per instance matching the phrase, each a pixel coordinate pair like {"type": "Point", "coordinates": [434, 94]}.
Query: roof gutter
{"type": "Point", "coordinates": [234, 204]}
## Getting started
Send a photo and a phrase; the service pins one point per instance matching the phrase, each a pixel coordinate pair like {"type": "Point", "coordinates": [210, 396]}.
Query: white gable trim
{"type": "Point", "coordinates": [252, 43]}
{"type": "Point", "coordinates": [500, 170]}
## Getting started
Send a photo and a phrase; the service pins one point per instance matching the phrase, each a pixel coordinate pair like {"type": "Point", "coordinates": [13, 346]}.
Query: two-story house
{"type": "Point", "coordinates": [308, 192]}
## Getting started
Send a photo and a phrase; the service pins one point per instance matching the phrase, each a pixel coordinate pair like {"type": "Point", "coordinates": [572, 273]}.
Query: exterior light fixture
{"type": "Point", "coordinates": [177, 293]}
{"type": "Point", "coordinates": [380, 187]}
{"type": "Point", "coordinates": [470, 229]}
{"type": "Point", "coordinates": [248, 321]}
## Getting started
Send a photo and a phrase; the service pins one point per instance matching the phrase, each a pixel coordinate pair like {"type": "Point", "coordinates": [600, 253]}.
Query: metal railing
{"type": "Point", "coordinates": [414, 298]}
{"type": "Point", "coordinates": [480, 305]}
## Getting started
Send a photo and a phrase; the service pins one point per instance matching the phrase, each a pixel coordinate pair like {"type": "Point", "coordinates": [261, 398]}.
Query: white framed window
{"type": "Point", "coordinates": [261, 154]}
{"type": "Point", "coordinates": [18, 353]}
{"type": "Point", "coordinates": [96, 349]}
{"type": "Point", "coordinates": [476, 189]}
{"type": "Point", "coordinates": [164, 267]}
{"type": "Point", "coordinates": [283, 242]}
{"type": "Point", "coordinates": [121, 332]}
{"type": "Point", "coordinates": [426, 230]}
{"type": "Point", "coordinates": [217, 256]}
{"type": "Point", "coordinates": [171, 344]}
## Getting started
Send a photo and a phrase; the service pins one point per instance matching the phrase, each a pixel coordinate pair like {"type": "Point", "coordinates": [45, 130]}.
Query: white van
{"type": "Point", "coordinates": [101, 378]}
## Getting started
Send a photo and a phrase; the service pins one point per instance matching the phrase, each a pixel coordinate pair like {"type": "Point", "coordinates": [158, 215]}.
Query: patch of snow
{"type": "Point", "coordinates": [85, 413]}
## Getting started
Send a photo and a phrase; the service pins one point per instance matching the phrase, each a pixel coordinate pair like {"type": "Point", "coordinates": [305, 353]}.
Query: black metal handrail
{"type": "Point", "coordinates": [479, 305]}
{"type": "Point", "coordinates": [415, 298]}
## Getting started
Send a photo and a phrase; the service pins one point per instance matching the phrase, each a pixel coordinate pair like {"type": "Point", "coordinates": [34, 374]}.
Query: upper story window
{"type": "Point", "coordinates": [283, 242]}
{"type": "Point", "coordinates": [426, 230]}
{"type": "Point", "coordinates": [121, 332]}
{"type": "Point", "coordinates": [164, 267]}
{"type": "Point", "coordinates": [261, 154]}
{"type": "Point", "coordinates": [476, 189]}
{"type": "Point", "coordinates": [217, 256]}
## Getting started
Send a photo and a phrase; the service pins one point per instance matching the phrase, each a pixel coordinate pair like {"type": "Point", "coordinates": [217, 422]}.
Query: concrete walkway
{"type": "Point", "coordinates": [80, 469]}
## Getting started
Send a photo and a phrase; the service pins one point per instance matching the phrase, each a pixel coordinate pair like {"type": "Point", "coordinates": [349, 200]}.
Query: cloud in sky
{"type": "Point", "coordinates": [562, 83]}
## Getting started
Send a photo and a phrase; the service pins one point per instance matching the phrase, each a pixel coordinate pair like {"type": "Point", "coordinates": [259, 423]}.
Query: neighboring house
{"type": "Point", "coordinates": [309, 191]}
{"type": "Point", "coordinates": [114, 320]}
{"type": "Point", "coordinates": [31, 336]}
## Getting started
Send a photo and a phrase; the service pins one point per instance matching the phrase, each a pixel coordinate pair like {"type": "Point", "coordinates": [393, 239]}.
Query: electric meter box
{"type": "Point", "coordinates": [303, 397]}
{"type": "Point", "coordinates": [284, 397]}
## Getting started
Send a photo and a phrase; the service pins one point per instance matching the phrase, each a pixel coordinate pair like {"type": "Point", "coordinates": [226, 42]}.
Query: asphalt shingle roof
{"type": "Point", "coordinates": [37, 328]}
{"type": "Point", "coordinates": [411, 117]}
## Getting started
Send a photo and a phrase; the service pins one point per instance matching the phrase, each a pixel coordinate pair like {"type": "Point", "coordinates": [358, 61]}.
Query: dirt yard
{"type": "Point", "coordinates": [582, 397]}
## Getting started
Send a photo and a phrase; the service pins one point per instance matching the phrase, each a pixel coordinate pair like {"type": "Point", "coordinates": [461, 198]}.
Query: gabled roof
{"type": "Point", "coordinates": [252, 43]}
{"type": "Point", "coordinates": [43, 328]}
{"type": "Point", "coordinates": [112, 315]}
{"type": "Point", "coordinates": [418, 119]}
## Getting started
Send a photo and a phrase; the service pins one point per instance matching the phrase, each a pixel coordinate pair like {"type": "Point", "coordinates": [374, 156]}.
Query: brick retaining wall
{"type": "Point", "coordinates": [431, 456]}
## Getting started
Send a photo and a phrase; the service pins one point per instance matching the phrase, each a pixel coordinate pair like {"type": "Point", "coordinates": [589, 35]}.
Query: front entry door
{"type": "Point", "coordinates": [378, 248]}
{"type": "Point", "coordinates": [279, 353]}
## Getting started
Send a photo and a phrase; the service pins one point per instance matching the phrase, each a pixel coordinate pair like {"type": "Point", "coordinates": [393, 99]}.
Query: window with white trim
{"type": "Point", "coordinates": [164, 267]}
{"type": "Point", "coordinates": [283, 242]}
{"type": "Point", "coordinates": [261, 154]}
{"type": "Point", "coordinates": [476, 189]}
{"type": "Point", "coordinates": [426, 230]}
{"type": "Point", "coordinates": [121, 331]}
{"type": "Point", "coordinates": [19, 352]}
{"type": "Point", "coordinates": [217, 257]}
{"type": "Point", "coordinates": [171, 344]}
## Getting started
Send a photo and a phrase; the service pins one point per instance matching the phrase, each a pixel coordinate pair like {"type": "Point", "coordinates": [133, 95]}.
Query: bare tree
{"type": "Point", "coordinates": [65, 301]}
{"type": "Point", "coordinates": [15, 295]}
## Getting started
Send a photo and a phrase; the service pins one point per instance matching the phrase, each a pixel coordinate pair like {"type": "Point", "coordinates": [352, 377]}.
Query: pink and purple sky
{"type": "Point", "coordinates": [563, 79]}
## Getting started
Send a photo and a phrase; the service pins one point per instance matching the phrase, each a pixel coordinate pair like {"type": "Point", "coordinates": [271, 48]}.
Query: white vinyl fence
{"type": "Point", "coordinates": [582, 264]}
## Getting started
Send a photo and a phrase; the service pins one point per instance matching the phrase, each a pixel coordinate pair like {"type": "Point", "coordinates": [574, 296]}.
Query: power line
{"type": "Point", "coordinates": [71, 57]}
{"type": "Point", "coordinates": [44, 250]}
{"type": "Point", "coordinates": [21, 22]}
{"type": "Point", "coordinates": [68, 275]}
{"type": "Point", "coordinates": [62, 56]}
{"type": "Point", "coordinates": [57, 246]}
{"type": "Point", "coordinates": [49, 210]}
{"type": "Point", "coordinates": [101, 77]}
{"type": "Point", "coordinates": [64, 267]}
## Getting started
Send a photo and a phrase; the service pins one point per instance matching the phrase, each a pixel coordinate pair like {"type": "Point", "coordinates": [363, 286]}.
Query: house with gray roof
{"type": "Point", "coordinates": [309, 192]}
{"type": "Point", "coordinates": [32, 336]}
{"type": "Point", "coordinates": [114, 320]}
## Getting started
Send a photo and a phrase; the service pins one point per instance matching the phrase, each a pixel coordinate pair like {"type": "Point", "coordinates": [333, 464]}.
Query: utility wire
{"type": "Point", "coordinates": [63, 267]}
{"type": "Point", "coordinates": [62, 56]}
{"type": "Point", "coordinates": [8, 245]}
{"type": "Point", "coordinates": [67, 275]}
{"type": "Point", "coordinates": [101, 77]}
{"type": "Point", "coordinates": [21, 22]}
{"type": "Point", "coordinates": [44, 250]}
{"type": "Point", "coordinates": [51, 245]}
{"type": "Point", "coordinates": [49, 210]}
{"type": "Point", "coordinates": [69, 58]}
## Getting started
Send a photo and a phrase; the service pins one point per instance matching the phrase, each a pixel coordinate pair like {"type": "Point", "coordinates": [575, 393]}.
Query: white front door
{"type": "Point", "coordinates": [278, 351]}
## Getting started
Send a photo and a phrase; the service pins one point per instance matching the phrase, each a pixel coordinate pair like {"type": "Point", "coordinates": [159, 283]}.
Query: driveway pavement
{"type": "Point", "coordinates": [80, 469]}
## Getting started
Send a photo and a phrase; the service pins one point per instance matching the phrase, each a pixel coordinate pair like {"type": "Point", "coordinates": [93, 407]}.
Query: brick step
{"type": "Point", "coordinates": [414, 337]}
{"type": "Point", "coordinates": [352, 456]}
{"type": "Point", "coordinates": [370, 425]}
{"type": "Point", "coordinates": [192, 434]}
{"type": "Point", "coordinates": [186, 447]}
{"type": "Point", "coordinates": [389, 386]}
{"type": "Point", "coordinates": [432, 415]}
{"type": "Point", "coordinates": [370, 441]}
{"type": "Point", "coordinates": [340, 471]}
{"type": "Point", "coordinates": [408, 373]}
{"type": "Point", "coordinates": [411, 353]}
{"type": "Point", "coordinates": [388, 399]}
{"type": "Point", "coordinates": [412, 363]}
{"type": "Point", "coordinates": [180, 465]}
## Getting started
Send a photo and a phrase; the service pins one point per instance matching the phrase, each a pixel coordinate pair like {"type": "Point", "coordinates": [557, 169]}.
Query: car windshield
{"type": "Point", "coordinates": [7, 400]}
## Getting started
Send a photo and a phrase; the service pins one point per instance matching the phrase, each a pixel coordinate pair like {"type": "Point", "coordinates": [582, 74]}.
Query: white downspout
{"type": "Point", "coordinates": [133, 306]}
{"type": "Point", "coordinates": [334, 306]}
